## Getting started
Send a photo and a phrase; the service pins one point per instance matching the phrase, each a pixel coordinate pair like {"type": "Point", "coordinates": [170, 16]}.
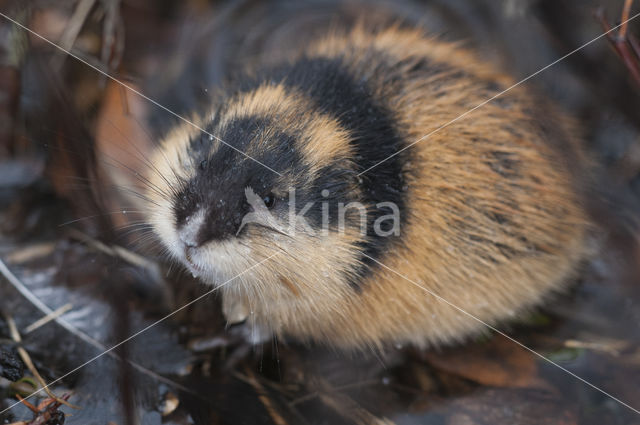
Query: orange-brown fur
{"type": "Point", "coordinates": [450, 244]}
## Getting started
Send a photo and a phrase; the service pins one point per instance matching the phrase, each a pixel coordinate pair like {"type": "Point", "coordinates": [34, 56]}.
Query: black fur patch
{"type": "Point", "coordinates": [335, 92]}
{"type": "Point", "coordinates": [222, 176]}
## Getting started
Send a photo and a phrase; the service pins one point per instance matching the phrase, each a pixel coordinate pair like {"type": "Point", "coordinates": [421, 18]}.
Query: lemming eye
{"type": "Point", "coordinates": [269, 200]}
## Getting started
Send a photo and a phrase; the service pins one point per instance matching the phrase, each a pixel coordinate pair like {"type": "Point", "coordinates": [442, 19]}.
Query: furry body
{"type": "Point", "coordinates": [490, 215]}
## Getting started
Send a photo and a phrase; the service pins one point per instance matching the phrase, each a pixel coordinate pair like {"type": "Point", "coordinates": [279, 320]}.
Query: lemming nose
{"type": "Point", "coordinates": [189, 242]}
{"type": "Point", "coordinates": [188, 233]}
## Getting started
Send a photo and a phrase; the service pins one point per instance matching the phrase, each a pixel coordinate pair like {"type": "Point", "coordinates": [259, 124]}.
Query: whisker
{"type": "Point", "coordinates": [134, 225]}
{"type": "Point", "coordinates": [124, 166]}
{"type": "Point", "coordinates": [173, 171]}
{"type": "Point", "coordinates": [144, 238]}
{"type": "Point", "coordinates": [114, 186]}
{"type": "Point", "coordinates": [140, 195]}
{"type": "Point", "coordinates": [159, 191]}
{"type": "Point", "coordinates": [92, 216]}
{"type": "Point", "coordinates": [142, 158]}
{"type": "Point", "coordinates": [142, 229]}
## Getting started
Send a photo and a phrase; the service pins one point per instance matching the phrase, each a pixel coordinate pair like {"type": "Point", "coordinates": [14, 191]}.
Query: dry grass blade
{"type": "Point", "coordinates": [83, 7]}
{"type": "Point", "coordinates": [48, 318]}
{"type": "Point", "coordinates": [15, 335]}
{"type": "Point", "coordinates": [115, 251]}
{"type": "Point", "coordinates": [31, 252]}
{"type": "Point", "coordinates": [20, 287]}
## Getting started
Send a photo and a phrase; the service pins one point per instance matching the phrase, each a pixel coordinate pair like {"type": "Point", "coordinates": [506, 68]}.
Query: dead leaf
{"type": "Point", "coordinates": [497, 363]}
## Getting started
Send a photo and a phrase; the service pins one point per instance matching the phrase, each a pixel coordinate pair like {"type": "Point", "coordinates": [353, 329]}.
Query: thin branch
{"type": "Point", "coordinates": [626, 12]}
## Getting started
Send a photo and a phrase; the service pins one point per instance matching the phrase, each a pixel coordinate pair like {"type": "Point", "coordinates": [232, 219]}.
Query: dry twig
{"type": "Point", "coordinates": [48, 318]}
{"type": "Point", "coordinates": [46, 413]}
{"type": "Point", "coordinates": [624, 44]}
{"type": "Point", "coordinates": [83, 7]}
{"type": "Point", "coordinates": [264, 398]}
{"type": "Point", "coordinates": [15, 335]}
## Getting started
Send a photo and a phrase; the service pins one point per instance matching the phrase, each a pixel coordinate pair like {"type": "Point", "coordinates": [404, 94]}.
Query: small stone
{"type": "Point", "coordinates": [11, 367]}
